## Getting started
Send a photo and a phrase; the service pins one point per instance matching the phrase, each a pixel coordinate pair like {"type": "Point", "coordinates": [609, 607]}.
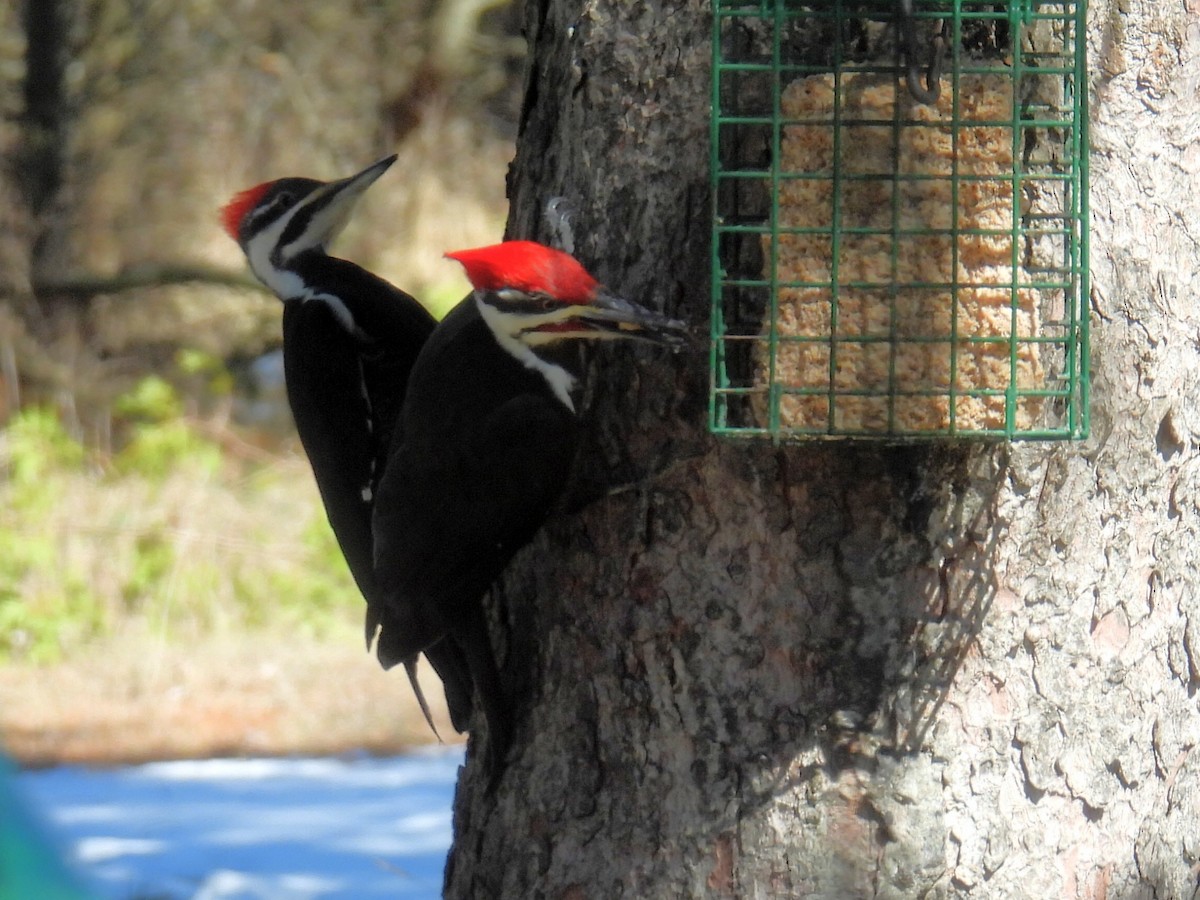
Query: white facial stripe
{"type": "Point", "coordinates": [506, 327]}
{"type": "Point", "coordinates": [560, 313]}
{"type": "Point", "coordinates": [326, 224]}
{"type": "Point", "coordinates": [530, 323]}
{"type": "Point", "coordinates": [283, 283]}
{"type": "Point", "coordinates": [567, 311]}
{"type": "Point", "coordinates": [322, 229]}
{"type": "Point", "coordinates": [541, 338]}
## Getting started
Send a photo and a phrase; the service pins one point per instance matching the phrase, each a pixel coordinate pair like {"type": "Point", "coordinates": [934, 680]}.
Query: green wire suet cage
{"type": "Point", "coordinates": [900, 219]}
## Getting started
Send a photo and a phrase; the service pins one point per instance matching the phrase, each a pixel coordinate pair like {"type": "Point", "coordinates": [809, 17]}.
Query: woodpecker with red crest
{"type": "Point", "coordinates": [487, 437]}
{"type": "Point", "coordinates": [349, 342]}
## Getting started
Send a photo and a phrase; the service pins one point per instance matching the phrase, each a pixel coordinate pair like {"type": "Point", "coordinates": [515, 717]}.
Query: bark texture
{"type": "Point", "coordinates": [842, 670]}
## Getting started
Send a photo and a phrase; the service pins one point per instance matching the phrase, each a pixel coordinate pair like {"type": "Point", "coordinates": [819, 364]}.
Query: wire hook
{"type": "Point", "coordinates": [929, 92]}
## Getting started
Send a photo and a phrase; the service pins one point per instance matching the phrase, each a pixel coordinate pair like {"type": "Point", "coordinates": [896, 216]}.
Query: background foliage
{"type": "Point", "coordinates": [150, 482]}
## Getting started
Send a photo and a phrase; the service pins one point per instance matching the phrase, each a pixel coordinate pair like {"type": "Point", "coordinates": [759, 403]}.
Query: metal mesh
{"type": "Point", "coordinates": [884, 267]}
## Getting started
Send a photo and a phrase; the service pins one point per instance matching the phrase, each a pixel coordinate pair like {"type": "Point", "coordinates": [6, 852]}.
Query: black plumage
{"type": "Point", "coordinates": [483, 452]}
{"type": "Point", "coordinates": [349, 342]}
{"type": "Point", "coordinates": [346, 389]}
{"type": "Point", "coordinates": [485, 447]}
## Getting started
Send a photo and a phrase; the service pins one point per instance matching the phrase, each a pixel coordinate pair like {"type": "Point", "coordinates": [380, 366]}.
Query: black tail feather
{"type": "Point", "coordinates": [449, 661]}
{"type": "Point", "coordinates": [473, 638]}
{"type": "Point", "coordinates": [410, 669]}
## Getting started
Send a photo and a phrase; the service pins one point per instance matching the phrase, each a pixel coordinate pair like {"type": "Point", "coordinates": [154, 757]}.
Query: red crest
{"type": "Point", "coordinates": [530, 267]}
{"type": "Point", "coordinates": [233, 212]}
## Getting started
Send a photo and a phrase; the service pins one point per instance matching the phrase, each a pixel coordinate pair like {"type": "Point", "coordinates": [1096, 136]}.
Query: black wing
{"type": "Point", "coordinates": [484, 451]}
{"type": "Point", "coordinates": [323, 370]}
{"type": "Point", "coordinates": [346, 391]}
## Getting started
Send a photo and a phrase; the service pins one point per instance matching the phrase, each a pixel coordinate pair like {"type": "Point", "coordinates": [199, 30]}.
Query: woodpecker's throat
{"type": "Point", "coordinates": [268, 260]}
{"type": "Point", "coordinates": [271, 265]}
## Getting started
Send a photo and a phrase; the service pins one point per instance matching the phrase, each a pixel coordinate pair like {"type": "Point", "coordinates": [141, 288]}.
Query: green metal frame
{"type": "Point", "coordinates": [755, 56]}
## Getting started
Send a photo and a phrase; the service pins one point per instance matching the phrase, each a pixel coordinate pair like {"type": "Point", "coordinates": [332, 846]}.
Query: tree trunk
{"type": "Point", "coordinates": [841, 669]}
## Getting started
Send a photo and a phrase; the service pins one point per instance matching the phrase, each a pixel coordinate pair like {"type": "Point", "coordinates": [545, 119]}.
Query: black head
{"type": "Point", "coordinates": [276, 221]}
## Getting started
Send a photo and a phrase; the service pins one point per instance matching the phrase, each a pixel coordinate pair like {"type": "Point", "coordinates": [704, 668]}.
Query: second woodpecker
{"type": "Point", "coordinates": [349, 341]}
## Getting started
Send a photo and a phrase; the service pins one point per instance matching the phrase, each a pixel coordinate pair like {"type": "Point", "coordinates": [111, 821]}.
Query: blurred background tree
{"type": "Point", "coordinates": [127, 123]}
{"type": "Point", "coordinates": [151, 491]}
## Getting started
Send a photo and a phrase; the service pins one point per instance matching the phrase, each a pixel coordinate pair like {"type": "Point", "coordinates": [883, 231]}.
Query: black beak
{"type": "Point", "coordinates": [621, 318]}
{"type": "Point", "coordinates": [332, 204]}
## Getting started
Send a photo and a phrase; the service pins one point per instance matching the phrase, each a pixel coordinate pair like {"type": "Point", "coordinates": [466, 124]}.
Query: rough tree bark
{"type": "Point", "coordinates": [845, 670]}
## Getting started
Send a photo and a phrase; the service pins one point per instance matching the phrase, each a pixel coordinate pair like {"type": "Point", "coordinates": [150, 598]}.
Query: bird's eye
{"type": "Point", "coordinates": [278, 204]}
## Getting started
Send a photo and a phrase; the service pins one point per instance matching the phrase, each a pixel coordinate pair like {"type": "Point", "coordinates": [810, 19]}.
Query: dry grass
{"type": "Point", "coordinates": [202, 609]}
{"type": "Point", "coordinates": [136, 695]}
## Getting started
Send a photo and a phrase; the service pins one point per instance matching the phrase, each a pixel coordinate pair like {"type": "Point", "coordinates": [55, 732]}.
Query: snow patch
{"type": "Point", "coordinates": [258, 829]}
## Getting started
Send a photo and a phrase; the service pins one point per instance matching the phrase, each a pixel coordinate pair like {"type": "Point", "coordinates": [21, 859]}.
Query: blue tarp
{"type": "Point", "coordinates": [31, 862]}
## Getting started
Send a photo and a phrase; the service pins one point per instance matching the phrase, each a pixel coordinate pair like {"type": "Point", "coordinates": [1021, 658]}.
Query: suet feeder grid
{"type": "Point", "coordinates": [899, 219]}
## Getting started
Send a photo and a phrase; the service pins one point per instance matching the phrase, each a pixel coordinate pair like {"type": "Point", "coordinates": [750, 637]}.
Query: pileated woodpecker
{"type": "Point", "coordinates": [349, 342]}
{"type": "Point", "coordinates": [487, 437]}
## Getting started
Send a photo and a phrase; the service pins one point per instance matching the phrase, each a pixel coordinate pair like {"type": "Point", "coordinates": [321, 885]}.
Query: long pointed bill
{"type": "Point", "coordinates": [606, 317]}
{"type": "Point", "coordinates": [323, 215]}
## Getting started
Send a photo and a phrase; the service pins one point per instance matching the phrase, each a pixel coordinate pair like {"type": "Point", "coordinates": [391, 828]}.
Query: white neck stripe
{"type": "Point", "coordinates": [339, 308]}
{"type": "Point", "coordinates": [286, 284]}
{"type": "Point", "coordinates": [504, 328]}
